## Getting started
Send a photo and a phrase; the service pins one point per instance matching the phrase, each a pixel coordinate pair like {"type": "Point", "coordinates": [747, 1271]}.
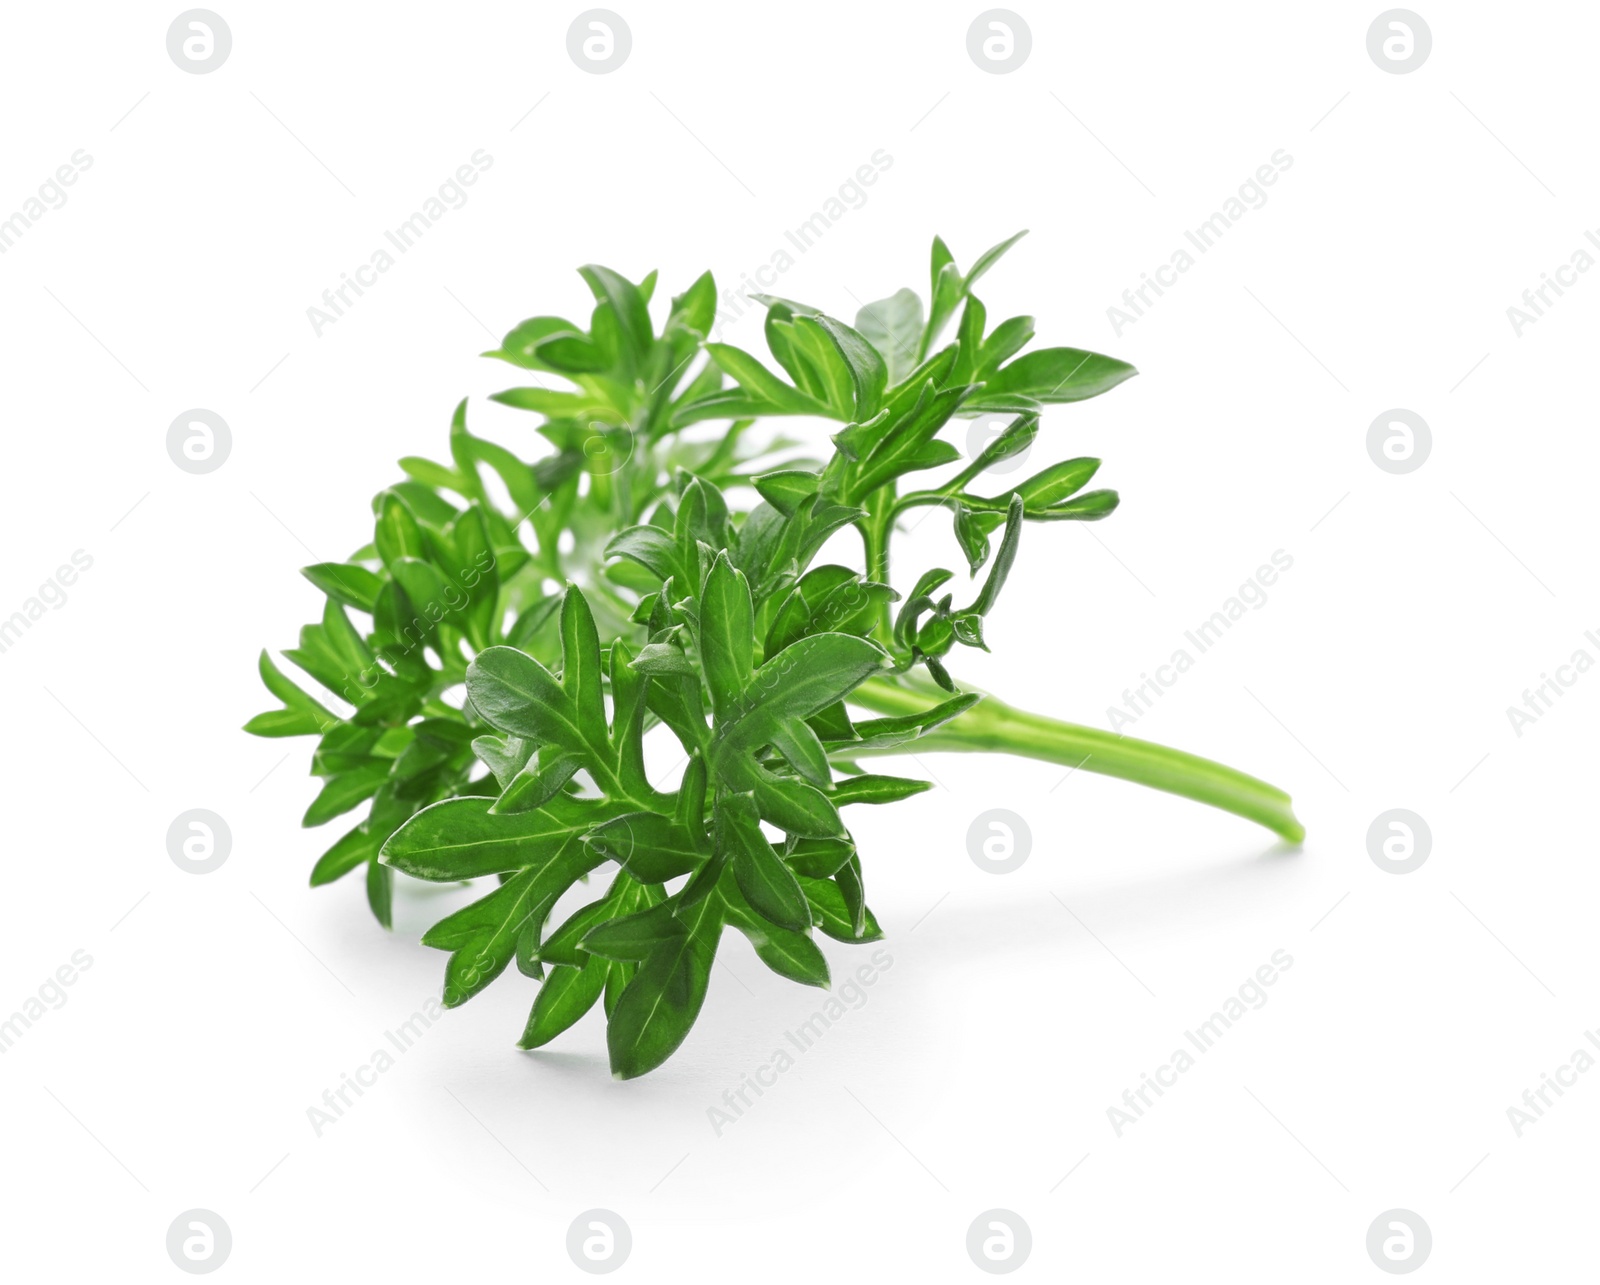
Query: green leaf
{"type": "Point", "coordinates": [1005, 340]}
{"type": "Point", "coordinates": [650, 547]}
{"type": "Point", "coordinates": [867, 369]}
{"type": "Point", "coordinates": [626, 302]}
{"type": "Point", "coordinates": [1053, 375]}
{"type": "Point", "coordinates": [582, 676]}
{"type": "Point", "coordinates": [989, 258]}
{"type": "Point", "coordinates": [787, 952]}
{"type": "Point", "coordinates": [520, 344]}
{"type": "Point", "coordinates": [803, 751]}
{"type": "Point", "coordinates": [355, 849]}
{"type": "Point", "coordinates": [565, 996]}
{"type": "Point", "coordinates": [800, 680]}
{"type": "Point", "coordinates": [482, 937]}
{"type": "Point", "coordinates": [947, 288]}
{"type": "Point", "coordinates": [650, 847]}
{"type": "Point", "coordinates": [1057, 482]}
{"type": "Point", "coordinates": [972, 534]}
{"type": "Point", "coordinates": [848, 880]}
{"type": "Point", "coordinates": [786, 489]}
{"type": "Point", "coordinates": [882, 733]}
{"type": "Point", "coordinates": [818, 858]}
{"type": "Point", "coordinates": [727, 635]}
{"type": "Point", "coordinates": [1016, 437]}
{"type": "Point", "coordinates": [617, 980]}
{"type": "Point", "coordinates": [538, 781]}
{"type": "Point", "coordinates": [505, 756]}
{"type": "Point", "coordinates": [397, 534]}
{"type": "Point", "coordinates": [300, 716]}
{"type": "Point", "coordinates": [1003, 559]}
{"type": "Point", "coordinates": [969, 339]}
{"type": "Point", "coordinates": [894, 327]}
{"type": "Point", "coordinates": [633, 937]}
{"type": "Point", "coordinates": [380, 892]}
{"type": "Point", "coordinates": [547, 401]}
{"type": "Point", "coordinates": [663, 660]}
{"type": "Point", "coordinates": [790, 804]}
{"type": "Point", "coordinates": [461, 839]}
{"type": "Point", "coordinates": [767, 884]}
{"type": "Point", "coordinates": [425, 590]}
{"type": "Point", "coordinates": [515, 693]}
{"type": "Point", "coordinates": [834, 915]}
{"type": "Point", "coordinates": [657, 1008]}
{"type": "Point", "coordinates": [869, 788]}
{"type": "Point", "coordinates": [345, 582]}
{"type": "Point", "coordinates": [696, 307]}
{"type": "Point", "coordinates": [770, 392]}
{"type": "Point", "coordinates": [346, 791]}
{"type": "Point", "coordinates": [561, 947]}
{"type": "Point", "coordinates": [1088, 507]}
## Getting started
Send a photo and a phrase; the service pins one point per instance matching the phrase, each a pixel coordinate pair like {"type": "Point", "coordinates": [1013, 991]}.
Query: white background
{"type": "Point", "coordinates": [1419, 1007]}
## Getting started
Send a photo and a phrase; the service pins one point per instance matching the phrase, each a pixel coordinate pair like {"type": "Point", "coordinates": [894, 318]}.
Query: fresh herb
{"type": "Point", "coordinates": [623, 592]}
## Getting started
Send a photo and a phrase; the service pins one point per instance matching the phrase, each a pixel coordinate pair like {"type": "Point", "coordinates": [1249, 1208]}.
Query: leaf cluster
{"type": "Point", "coordinates": [514, 658]}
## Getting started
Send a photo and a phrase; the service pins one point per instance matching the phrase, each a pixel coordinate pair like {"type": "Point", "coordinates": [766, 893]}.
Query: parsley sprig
{"type": "Point", "coordinates": [496, 699]}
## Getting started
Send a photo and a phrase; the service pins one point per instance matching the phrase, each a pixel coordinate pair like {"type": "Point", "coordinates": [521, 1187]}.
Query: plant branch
{"type": "Point", "coordinates": [992, 726]}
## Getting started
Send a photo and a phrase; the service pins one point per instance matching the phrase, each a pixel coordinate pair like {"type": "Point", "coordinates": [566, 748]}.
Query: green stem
{"type": "Point", "coordinates": [993, 726]}
{"type": "Point", "coordinates": [875, 530]}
